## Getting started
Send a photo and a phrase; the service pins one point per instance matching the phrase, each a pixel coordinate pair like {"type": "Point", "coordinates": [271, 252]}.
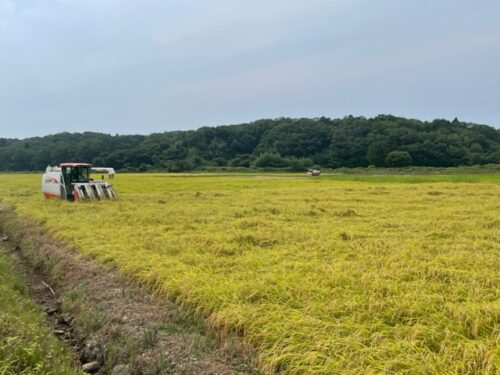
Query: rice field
{"type": "Point", "coordinates": [329, 275]}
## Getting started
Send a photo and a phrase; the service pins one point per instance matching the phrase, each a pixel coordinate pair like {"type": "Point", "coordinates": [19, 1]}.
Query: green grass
{"type": "Point", "coordinates": [26, 344]}
{"type": "Point", "coordinates": [337, 274]}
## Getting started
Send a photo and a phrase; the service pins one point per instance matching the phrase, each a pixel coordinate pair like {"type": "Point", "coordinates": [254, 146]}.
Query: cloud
{"type": "Point", "coordinates": [129, 66]}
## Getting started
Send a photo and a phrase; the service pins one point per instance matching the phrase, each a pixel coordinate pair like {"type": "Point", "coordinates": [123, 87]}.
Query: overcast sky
{"type": "Point", "coordinates": [123, 66]}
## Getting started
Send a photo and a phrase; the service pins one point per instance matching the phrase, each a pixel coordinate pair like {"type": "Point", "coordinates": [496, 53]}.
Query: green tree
{"type": "Point", "coordinates": [279, 143]}
{"type": "Point", "coordinates": [271, 160]}
{"type": "Point", "coordinates": [398, 159]}
{"type": "Point", "coordinates": [377, 152]}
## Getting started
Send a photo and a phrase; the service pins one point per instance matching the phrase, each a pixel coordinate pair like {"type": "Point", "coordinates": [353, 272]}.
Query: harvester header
{"type": "Point", "coordinates": [72, 181]}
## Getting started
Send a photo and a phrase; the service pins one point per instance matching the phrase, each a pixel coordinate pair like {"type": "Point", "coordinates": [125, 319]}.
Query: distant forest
{"type": "Point", "coordinates": [284, 143]}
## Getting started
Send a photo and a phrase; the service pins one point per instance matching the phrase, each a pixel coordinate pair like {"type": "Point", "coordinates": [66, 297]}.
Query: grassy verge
{"type": "Point", "coordinates": [26, 343]}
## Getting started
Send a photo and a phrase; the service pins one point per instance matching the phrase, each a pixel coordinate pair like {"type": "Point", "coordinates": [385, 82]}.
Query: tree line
{"type": "Point", "coordinates": [285, 143]}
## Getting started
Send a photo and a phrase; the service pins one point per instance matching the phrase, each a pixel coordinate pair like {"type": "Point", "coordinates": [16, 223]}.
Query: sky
{"type": "Point", "coordinates": [137, 67]}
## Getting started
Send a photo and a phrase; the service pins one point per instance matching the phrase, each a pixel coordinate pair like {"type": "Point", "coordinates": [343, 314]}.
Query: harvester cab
{"type": "Point", "coordinates": [72, 181]}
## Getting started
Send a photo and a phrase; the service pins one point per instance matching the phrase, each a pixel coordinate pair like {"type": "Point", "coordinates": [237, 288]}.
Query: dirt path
{"type": "Point", "coordinates": [108, 320]}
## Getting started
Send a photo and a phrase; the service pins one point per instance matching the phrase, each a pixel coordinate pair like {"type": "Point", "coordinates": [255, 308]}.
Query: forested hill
{"type": "Point", "coordinates": [382, 141]}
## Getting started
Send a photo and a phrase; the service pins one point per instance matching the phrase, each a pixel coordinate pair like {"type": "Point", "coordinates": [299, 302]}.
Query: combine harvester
{"type": "Point", "coordinates": [71, 181]}
{"type": "Point", "coordinates": [313, 172]}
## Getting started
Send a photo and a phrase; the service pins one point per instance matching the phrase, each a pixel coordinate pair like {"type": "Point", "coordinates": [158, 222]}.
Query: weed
{"type": "Point", "coordinates": [150, 338]}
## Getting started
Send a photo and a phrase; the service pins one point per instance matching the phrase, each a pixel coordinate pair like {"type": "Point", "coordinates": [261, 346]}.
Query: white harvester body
{"type": "Point", "coordinates": [72, 181]}
{"type": "Point", "coordinates": [313, 172]}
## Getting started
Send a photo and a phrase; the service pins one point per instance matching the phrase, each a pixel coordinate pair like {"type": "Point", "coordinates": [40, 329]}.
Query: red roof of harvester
{"type": "Point", "coordinates": [75, 165]}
